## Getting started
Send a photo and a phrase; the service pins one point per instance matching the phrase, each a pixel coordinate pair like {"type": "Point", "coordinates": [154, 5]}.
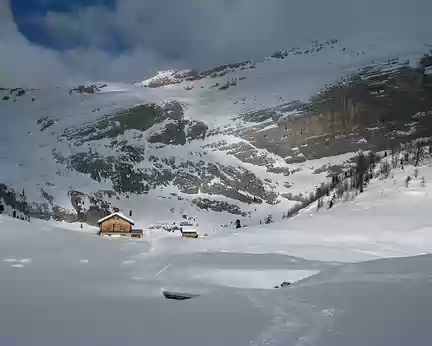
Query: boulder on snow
{"type": "Point", "coordinates": [179, 296]}
{"type": "Point", "coordinates": [284, 284]}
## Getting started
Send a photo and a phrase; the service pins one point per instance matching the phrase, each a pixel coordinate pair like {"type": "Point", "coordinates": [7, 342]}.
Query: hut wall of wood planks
{"type": "Point", "coordinates": [115, 223]}
{"type": "Point", "coordinates": [189, 233]}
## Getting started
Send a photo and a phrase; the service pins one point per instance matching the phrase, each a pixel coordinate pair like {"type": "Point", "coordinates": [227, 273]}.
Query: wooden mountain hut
{"type": "Point", "coordinates": [189, 233]}
{"type": "Point", "coordinates": [115, 223]}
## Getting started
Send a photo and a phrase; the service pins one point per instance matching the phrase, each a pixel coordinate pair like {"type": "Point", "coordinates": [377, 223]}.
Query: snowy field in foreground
{"type": "Point", "coordinates": [60, 287]}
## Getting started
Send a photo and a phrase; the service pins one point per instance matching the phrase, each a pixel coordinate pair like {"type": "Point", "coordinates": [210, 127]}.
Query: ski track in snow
{"type": "Point", "coordinates": [18, 263]}
{"type": "Point", "coordinates": [26, 260]}
{"type": "Point", "coordinates": [9, 260]}
{"type": "Point", "coordinates": [162, 270]}
{"type": "Point", "coordinates": [320, 253]}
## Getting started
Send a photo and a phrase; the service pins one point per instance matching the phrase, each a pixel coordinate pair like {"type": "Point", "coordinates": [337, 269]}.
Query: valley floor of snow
{"type": "Point", "coordinates": [361, 274]}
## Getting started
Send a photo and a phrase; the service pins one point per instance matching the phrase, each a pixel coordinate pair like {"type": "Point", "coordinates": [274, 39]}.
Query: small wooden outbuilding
{"type": "Point", "coordinates": [137, 233]}
{"type": "Point", "coordinates": [115, 223]}
{"type": "Point", "coordinates": [189, 233]}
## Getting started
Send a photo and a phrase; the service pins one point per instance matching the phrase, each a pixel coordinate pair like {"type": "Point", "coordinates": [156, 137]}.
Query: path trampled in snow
{"type": "Point", "coordinates": [92, 283]}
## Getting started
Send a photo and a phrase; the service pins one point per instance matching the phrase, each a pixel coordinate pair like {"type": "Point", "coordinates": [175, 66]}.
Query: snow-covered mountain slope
{"type": "Point", "coordinates": [246, 139]}
{"type": "Point", "coordinates": [387, 220]}
{"type": "Point", "coordinates": [64, 286]}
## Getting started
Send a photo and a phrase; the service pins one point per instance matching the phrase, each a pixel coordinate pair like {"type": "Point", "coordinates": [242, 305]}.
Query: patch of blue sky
{"type": "Point", "coordinates": [29, 16]}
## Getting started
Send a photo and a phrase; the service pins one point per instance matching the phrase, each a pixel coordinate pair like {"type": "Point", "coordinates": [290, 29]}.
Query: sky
{"type": "Point", "coordinates": [131, 39]}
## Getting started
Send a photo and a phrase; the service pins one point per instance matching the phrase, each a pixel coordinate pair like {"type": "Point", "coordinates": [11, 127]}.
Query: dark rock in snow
{"type": "Point", "coordinates": [179, 296]}
{"type": "Point", "coordinates": [196, 130]}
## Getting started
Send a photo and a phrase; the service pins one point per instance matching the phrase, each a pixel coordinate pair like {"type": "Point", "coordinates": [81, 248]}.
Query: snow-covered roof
{"type": "Point", "coordinates": [120, 215]}
{"type": "Point", "coordinates": [189, 230]}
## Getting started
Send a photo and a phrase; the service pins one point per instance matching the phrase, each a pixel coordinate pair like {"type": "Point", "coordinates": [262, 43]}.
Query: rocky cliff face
{"type": "Point", "coordinates": [369, 110]}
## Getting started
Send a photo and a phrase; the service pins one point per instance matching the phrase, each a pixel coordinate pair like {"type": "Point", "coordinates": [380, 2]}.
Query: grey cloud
{"type": "Point", "coordinates": [202, 33]}
{"type": "Point", "coordinates": [207, 32]}
{"type": "Point", "coordinates": [24, 64]}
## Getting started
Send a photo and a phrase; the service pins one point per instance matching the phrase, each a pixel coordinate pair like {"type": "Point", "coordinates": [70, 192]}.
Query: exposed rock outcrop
{"type": "Point", "coordinates": [369, 110]}
{"type": "Point", "coordinates": [218, 206]}
{"type": "Point", "coordinates": [196, 130]}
